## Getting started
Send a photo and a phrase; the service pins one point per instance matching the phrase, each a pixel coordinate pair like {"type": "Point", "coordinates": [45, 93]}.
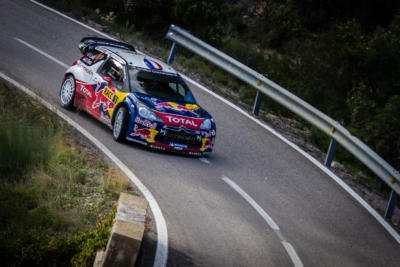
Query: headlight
{"type": "Point", "coordinates": [146, 113]}
{"type": "Point", "coordinates": [206, 125]}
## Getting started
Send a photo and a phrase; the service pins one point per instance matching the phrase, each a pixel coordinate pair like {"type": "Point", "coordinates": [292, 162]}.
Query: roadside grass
{"type": "Point", "coordinates": [57, 198]}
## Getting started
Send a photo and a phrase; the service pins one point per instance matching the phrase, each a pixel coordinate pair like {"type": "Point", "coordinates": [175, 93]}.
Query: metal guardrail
{"type": "Point", "coordinates": [326, 124]}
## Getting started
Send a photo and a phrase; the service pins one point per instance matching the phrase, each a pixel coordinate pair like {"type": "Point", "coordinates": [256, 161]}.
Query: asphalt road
{"type": "Point", "coordinates": [208, 222]}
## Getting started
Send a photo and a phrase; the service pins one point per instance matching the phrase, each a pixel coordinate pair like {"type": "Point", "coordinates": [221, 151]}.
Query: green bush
{"type": "Point", "coordinates": [283, 22]}
{"type": "Point", "coordinates": [90, 242]}
{"type": "Point", "coordinates": [22, 146]}
{"type": "Point", "coordinates": [26, 237]}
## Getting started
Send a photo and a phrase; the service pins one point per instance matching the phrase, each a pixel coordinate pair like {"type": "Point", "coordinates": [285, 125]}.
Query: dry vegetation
{"type": "Point", "coordinates": [56, 196]}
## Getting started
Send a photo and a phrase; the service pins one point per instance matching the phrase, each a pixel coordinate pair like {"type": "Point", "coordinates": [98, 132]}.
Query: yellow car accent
{"type": "Point", "coordinates": [203, 142]}
{"type": "Point", "coordinates": [191, 106]}
{"type": "Point", "coordinates": [116, 98]}
{"type": "Point", "coordinates": [153, 134]}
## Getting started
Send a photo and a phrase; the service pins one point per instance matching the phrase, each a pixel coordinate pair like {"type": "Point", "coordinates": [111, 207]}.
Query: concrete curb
{"type": "Point", "coordinates": [126, 234]}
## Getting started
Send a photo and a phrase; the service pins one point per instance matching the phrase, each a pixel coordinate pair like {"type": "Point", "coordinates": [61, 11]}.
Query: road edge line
{"type": "Point", "coordinates": [162, 234]}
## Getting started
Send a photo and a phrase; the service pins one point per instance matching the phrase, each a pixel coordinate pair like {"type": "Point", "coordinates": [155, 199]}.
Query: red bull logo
{"type": "Point", "coordinates": [147, 134]}
{"type": "Point", "coordinates": [177, 107]}
{"type": "Point", "coordinates": [142, 133]}
{"type": "Point", "coordinates": [105, 99]}
{"type": "Point", "coordinates": [206, 144]}
{"type": "Point", "coordinates": [146, 123]}
{"type": "Point", "coordinates": [101, 99]}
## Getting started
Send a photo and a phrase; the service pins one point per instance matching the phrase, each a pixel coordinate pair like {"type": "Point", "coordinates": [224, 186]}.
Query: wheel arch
{"type": "Point", "coordinates": [66, 74]}
{"type": "Point", "coordinates": [121, 104]}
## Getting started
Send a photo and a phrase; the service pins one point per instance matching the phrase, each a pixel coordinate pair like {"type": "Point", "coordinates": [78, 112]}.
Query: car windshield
{"type": "Point", "coordinates": [167, 87]}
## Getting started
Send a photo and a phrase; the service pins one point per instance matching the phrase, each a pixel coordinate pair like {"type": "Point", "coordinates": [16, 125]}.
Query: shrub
{"type": "Point", "coordinates": [22, 146]}
{"type": "Point", "coordinates": [29, 245]}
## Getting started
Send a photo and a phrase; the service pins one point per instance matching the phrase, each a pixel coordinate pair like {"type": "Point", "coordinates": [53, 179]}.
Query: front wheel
{"type": "Point", "coordinates": [120, 124]}
{"type": "Point", "coordinates": [67, 92]}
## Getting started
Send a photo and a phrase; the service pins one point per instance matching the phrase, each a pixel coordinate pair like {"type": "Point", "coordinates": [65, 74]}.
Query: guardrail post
{"type": "Point", "coordinates": [391, 205]}
{"type": "Point", "coordinates": [257, 103]}
{"type": "Point", "coordinates": [331, 150]}
{"type": "Point", "coordinates": [172, 53]}
{"type": "Point", "coordinates": [331, 153]}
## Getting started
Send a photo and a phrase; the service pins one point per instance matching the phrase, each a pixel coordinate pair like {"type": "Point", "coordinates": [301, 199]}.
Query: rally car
{"type": "Point", "coordinates": [141, 98]}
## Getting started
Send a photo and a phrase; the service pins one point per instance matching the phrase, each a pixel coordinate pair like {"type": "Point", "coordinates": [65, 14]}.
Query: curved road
{"type": "Point", "coordinates": [209, 223]}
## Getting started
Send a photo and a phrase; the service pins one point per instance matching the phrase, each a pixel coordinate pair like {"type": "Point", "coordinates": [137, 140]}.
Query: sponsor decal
{"type": "Point", "coordinates": [85, 91]}
{"type": "Point", "coordinates": [83, 88]}
{"type": "Point", "coordinates": [106, 99]}
{"type": "Point", "coordinates": [110, 95]}
{"type": "Point", "coordinates": [102, 102]}
{"type": "Point", "coordinates": [209, 134]}
{"type": "Point", "coordinates": [146, 123]}
{"type": "Point", "coordinates": [178, 146]}
{"type": "Point", "coordinates": [206, 144]}
{"type": "Point", "coordinates": [176, 120]}
{"type": "Point", "coordinates": [86, 69]}
{"type": "Point", "coordinates": [183, 121]}
{"type": "Point", "coordinates": [157, 71]}
{"type": "Point", "coordinates": [158, 147]}
{"type": "Point", "coordinates": [144, 133]}
{"type": "Point", "coordinates": [177, 107]}
{"type": "Point", "coordinates": [137, 141]}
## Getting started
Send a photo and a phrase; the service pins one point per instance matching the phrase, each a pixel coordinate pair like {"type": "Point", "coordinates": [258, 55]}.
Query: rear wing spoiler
{"type": "Point", "coordinates": [88, 43]}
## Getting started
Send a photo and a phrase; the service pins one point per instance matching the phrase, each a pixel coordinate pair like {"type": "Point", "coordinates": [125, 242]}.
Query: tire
{"type": "Point", "coordinates": [120, 124]}
{"type": "Point", "coordinates": [67, 92]}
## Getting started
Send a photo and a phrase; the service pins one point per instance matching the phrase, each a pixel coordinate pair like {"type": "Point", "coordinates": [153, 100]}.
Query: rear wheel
{"type": "Point", "coordinates": [67, 92]}
{"type": "Point", "coordinates": [120, 124]}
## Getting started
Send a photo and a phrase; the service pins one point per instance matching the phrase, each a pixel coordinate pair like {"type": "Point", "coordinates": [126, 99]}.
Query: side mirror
{"type": "Point", "coordinates": [107, 79]}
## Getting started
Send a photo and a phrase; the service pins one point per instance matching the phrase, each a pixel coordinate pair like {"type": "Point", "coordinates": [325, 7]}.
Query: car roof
{"type": "Point", "coordinates": [139, 60]}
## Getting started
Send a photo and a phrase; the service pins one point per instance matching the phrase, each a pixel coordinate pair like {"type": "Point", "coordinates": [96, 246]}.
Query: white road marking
{"type": "Point", "coordinates": [204, 160]}
{"type": "Point", "coordinates": [328, 172]}
{"type": "Point", "coordinates": [43, 53]}
{"type": "Point", "coordinates": [348, 189]}
{"type": "Point", "coordinates": [251, 201]}
{"type": "Point", "coordinates": [292, 254]}
{"type": "Point", "coordinates": [74, 20]}
{"type": "Point", "coordinates": [288, 247]}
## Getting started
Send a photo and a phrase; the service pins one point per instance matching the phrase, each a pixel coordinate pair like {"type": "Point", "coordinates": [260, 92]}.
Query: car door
{"type": "Point", "coordinates": [110, 81]}
{"type": "Point", "coordinates": [86, 82]}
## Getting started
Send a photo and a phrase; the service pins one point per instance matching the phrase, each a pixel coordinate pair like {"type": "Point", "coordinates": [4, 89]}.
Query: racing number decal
{"type": "Point", "coordinates": [110, 95]}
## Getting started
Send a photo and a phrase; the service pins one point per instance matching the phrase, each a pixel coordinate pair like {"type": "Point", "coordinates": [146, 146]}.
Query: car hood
{"type": "Point", "coordinates": [175, 108]}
